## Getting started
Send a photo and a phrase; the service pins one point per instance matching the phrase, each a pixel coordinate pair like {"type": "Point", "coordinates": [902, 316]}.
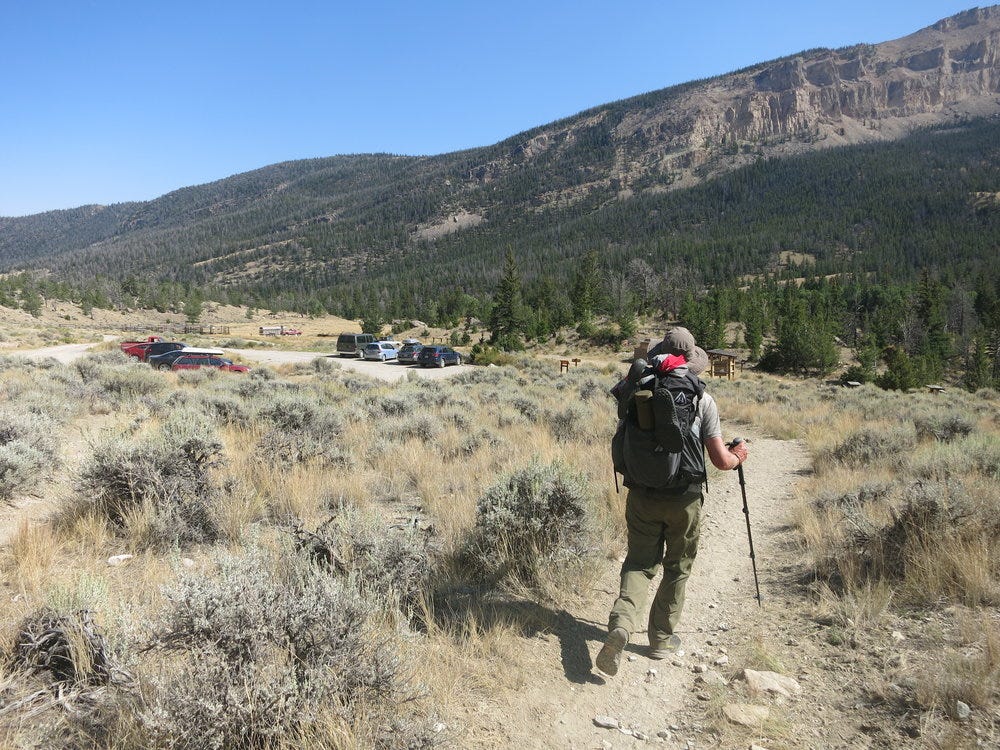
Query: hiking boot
{"type": "Point", "coordinates": [611, 653]}
{"type": "Point", "coordinates": [664, 649]}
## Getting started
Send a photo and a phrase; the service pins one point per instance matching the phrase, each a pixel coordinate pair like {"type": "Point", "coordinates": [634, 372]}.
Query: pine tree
{"type": "Point", "coordinates": [977, 370]}
{"type": "Point", "coordinates": [804, 343]}
{"type": "Point", "coordinates": [586, 289]}
{"type": "Point", "coordinates": [193, 307]}
{"type": "Point", "coordinates": [508, 319]}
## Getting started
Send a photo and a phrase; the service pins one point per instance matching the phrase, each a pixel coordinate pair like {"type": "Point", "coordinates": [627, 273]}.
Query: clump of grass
{"type": "Point", "coordinates": [158, 485]}
{"type": "Point", "coordinates": [970, 674]}
{"type": "Point", "coordinates": [531, 525]}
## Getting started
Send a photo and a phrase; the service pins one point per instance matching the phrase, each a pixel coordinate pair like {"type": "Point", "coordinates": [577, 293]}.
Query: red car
{"type": "Point", "coordinates": [291, 332]}
{"type": "Point", "coordinates": [196, 361]}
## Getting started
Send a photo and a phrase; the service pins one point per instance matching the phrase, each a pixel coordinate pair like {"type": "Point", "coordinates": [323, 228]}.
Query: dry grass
{"type": "Point", "coordinates": [451, 661]}
{"type": "Point", "coordinates": [29, 560]}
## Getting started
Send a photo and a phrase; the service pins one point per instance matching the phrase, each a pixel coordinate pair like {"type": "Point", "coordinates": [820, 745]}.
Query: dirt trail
{"type": "Point", "coordinates": [564, 693]}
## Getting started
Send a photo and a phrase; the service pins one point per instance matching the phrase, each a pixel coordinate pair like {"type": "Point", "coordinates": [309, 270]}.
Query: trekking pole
{"type": "Point", "coordinates": [746, 513]}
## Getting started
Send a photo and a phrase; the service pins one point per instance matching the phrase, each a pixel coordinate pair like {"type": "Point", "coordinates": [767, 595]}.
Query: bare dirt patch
{"type": "Point", "coordinates": [450, 224]}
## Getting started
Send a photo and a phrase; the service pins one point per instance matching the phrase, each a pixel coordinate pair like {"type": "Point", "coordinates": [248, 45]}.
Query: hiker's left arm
{"type": "Point", "coordinates": [724, 458]}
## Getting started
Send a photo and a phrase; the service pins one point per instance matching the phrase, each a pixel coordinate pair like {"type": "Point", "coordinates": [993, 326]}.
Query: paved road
{"type": "Point", "coordinates": [384, 370]}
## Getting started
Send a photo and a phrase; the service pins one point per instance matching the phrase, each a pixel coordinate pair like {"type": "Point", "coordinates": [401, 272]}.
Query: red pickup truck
{"type": "Point", "coordinates": [137, 349]}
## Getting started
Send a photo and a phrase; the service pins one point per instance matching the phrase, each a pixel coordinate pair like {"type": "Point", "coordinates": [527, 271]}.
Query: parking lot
{"type": "Point", "coordinates": [390, 371]}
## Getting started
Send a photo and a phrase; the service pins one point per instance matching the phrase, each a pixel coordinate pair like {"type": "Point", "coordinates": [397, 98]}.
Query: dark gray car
{"type": "Point", "coordinates": [409, 353]}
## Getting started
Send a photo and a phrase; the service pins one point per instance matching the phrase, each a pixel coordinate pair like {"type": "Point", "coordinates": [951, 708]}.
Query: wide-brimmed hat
{"type": "Point", "coordinates": [678, 340]}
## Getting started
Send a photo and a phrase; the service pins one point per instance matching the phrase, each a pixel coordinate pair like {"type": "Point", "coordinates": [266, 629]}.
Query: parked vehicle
{"type": "Point", "coordinates": [143, 350]}
{"type": "Point", "coordinates": [438, 356]}
{"type": "Point", "coordinates": [162, 347]}
{"type": "Point", "coordinates": [381, 351]}
{"type": "Point", "coordinates": [278, 331]}
{"type": "Point", "coordinates": [196, 361]}
{"type": "Point", "coordinates": [408, 354]}
{"type": "Point", "coordinates": [165, 360]}
{"type": "Point", "coordinates": [353, 344]}
{"type": "Point", "coordinates": [135, 349]}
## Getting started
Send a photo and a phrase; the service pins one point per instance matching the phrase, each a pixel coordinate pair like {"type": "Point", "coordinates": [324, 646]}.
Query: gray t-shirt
{"type": "Point", "coordinates": [706, 422]}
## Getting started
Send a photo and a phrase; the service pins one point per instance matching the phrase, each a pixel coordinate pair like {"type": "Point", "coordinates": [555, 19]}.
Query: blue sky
{"type": "Point", "coordinates": [105, 102]}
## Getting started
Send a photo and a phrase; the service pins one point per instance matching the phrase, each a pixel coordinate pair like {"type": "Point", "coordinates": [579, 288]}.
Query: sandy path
{"type": "Point", "coordinates": [564, 694]}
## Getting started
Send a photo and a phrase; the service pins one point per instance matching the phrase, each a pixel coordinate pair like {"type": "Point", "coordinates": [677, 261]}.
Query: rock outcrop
{"type": "Point", "coordinates": [816, 99]}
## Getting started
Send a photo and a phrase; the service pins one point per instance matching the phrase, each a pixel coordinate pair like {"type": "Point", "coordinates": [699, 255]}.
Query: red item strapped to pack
{"type": "Point", "coordinates": [670, 362]}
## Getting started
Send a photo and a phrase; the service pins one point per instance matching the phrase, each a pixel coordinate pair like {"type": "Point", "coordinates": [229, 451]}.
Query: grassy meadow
{"type": "Point", "coordinates": [307, 557]}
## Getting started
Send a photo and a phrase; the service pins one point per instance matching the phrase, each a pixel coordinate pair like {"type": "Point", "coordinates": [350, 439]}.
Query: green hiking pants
{"type": "Point", "coordinates": [660, 531]}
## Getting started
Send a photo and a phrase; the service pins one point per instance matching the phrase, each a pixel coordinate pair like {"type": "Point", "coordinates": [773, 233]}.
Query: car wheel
{"type": "Point", "coordinates": [163, 368]}
{"type": "Point", "coordinates": [458, 360]}
{"type": "Point", "coordinates": [441, 361]}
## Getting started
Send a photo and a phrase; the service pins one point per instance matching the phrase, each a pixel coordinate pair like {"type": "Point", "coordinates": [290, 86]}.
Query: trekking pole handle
{"type": "Point", "coordinates": [732, 444]}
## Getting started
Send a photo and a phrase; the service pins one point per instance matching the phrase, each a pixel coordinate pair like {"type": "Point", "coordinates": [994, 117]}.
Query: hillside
{"type": "Point", "coordinates": [889, 157]}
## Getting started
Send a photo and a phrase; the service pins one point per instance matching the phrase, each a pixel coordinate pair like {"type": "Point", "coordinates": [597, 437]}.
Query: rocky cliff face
{"type": "Point", "coordinates": [816, 99]}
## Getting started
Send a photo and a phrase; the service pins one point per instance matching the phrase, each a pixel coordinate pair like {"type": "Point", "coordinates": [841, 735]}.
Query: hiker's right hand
{"type": "Point", "coordinates": [739, 450]}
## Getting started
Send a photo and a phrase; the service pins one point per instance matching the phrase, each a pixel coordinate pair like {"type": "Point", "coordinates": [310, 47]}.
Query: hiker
{"type": "Point", "coordinates": [663, 521]}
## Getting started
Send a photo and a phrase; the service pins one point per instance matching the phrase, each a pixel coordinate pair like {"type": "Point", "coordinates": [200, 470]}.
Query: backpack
{"type": "Point", "coordinates": [668, 456]}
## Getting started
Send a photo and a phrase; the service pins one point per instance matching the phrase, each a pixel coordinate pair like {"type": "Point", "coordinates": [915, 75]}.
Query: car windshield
{"type": "Point", "coordinates": [373, 347]}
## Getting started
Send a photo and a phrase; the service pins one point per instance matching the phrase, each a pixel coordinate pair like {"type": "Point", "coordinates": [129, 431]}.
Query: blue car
{"type": "Point", "coordinates": [438, 356]}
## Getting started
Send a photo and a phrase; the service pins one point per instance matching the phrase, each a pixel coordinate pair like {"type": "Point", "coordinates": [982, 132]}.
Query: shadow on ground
{"type": "Point", "coordinates": [577, 637]}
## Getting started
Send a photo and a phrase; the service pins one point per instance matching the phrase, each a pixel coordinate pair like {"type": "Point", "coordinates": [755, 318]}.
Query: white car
{"type": "Point", "coordinates": [380, 351]}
